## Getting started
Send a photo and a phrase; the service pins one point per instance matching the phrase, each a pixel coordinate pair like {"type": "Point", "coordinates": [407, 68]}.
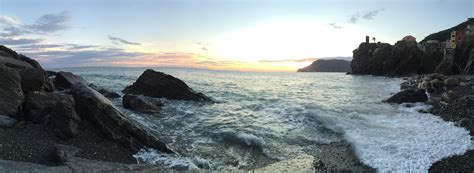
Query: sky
{"type": "Point", "coordinates": [247, 35]}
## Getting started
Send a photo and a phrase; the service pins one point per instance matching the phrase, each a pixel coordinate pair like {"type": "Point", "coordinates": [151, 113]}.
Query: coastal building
{"type": "Point", "coordinates": [367, 39]}
{"type": "Point", "coordinates": [409, 38]}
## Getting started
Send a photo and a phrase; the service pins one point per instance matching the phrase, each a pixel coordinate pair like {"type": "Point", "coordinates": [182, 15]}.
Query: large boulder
{"type": "Point", "coordinates": [452, 81]}
{"type": "Point", "coordinates": [32, 79]}
{"type": "Point", "coordinates": [408, 96]}
{"type": "Point", "coordinates": [55, 109]}
{"type": "Point", "coordinates": [141, 103]}
{"type": "Point", "coordinates": [65, 80]}
{"type": "Point", "coordinates": [11, 94]}
{"type": "Point", "coordinates": [93, 106]}
{"type": "Point", "coordinates": [38, 105]}
{"type": "Point", "coordinates": [157, 84]}
{"type": "Point", "coordinates": [64, 117]}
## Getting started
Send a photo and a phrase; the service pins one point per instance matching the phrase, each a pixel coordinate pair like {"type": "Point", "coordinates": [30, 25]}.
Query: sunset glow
{"type": "Point", "coordinates": [238, 35]}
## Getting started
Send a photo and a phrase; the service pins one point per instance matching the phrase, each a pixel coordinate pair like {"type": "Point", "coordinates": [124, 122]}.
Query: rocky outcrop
{"type": "Point", "coordinates": [408, 96]}
{"type": "Point", "coordinates": [14, 60]}
{"type": "Point", "coordinates": [160, 85]}
{"type": "Point", "coordinates": [94, 107]}
{"type": "Point", "coordinates": [32, 79]}
{"type": "Point", "coordinates": [141, 103]}
{"type": "Point", "coordinates": [11, 94]}
{"type": "Point", "coordinates": [403, 58]}
{"type": "Point", "coordinates": [56, 109]}
{"type": "Point", "coordinates": [65, 80]}
{"type": "Point", "coordinates": [330, 65]}
{"type": "Point", "coordinates": [64, 117]}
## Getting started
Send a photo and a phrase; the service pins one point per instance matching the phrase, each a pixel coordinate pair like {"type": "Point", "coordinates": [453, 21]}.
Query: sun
{"type": "Point", "coordinates": [283, 40]}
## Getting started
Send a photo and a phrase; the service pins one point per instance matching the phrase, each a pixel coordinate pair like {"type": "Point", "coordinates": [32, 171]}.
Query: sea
{"type": "Point", "coordinates": [259, 118]}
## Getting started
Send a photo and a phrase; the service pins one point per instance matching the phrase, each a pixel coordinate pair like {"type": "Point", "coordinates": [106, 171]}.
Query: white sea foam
{"type": "Point", "coordinates": [409, 141]}
{"type": "Point", "coordinates": [251, 140]}
{"type": "Point", "coordinates": [152, 156]}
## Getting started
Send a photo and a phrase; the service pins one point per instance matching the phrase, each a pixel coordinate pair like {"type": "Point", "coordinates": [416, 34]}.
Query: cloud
{"type": "Point", "coordinates": [50, 23]}
{"type": "Point", "coordinates": [334, 25]}
{"type": "Point", "coordinates": [20, 41]}
{"type": "Point", "coordinates": [48, 46]}
{"type": "Point", "coordinates": [46, 24]}
{"type": "Point", "coordinates": [117, 40]}
{"type": "Point", "coordinates": [203, 45]}
{"type": "Point", "coordinates": [289, 60]}
{"type": "Point", "coordinates": [369, 15]}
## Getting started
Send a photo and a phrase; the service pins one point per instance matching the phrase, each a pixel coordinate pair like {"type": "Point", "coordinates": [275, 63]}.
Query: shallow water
{"type": "Point", "coordinates": [261, 118]}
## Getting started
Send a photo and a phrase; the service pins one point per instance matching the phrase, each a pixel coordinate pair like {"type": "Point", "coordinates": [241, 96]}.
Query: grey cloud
{"type": "Point", "coordinates": [370, 15]}
{"type": "Point", "coordinates": [64, 46]}
{"type": "Point", "coordinates": [46, 24]}
{"type": "Point", "coordinates": [21, 41]}
{"type": "Point", "coordinates": [119, 40]}
{"type": "Point", "coordinates": [50, 23]}
{"type": "Point", "coordinates": [334, 25]}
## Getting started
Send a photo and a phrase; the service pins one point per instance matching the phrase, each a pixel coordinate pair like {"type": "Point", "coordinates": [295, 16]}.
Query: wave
{"type": "Point", "coordinates": [411, 140]}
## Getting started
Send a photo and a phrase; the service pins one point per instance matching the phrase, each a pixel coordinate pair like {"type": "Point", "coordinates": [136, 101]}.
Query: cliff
{"type": "Point", "coordinates": [403, 58]}
{"type": "Point", "coordinates": [445, 34]}
{"type": "Point", "coordinates": [406, 58]}
{"type": "Point", "coordinates": [331, 65]}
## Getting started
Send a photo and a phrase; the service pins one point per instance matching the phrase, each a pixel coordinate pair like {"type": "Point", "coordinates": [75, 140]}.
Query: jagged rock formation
{"type": "Point", "coordinates": [28, 96]}
{"type": "Point", "coordinates": [160, 85]}
{"type": "Point", "coordinates": [330, 65]}
{"type": "Point", "coordinates": [403, 58]}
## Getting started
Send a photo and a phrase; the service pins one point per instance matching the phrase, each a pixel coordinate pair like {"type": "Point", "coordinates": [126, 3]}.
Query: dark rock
{"type": "Point", "coordinates": [94, 107]}
{"type": "Point", "coordinates": [408, 96]}
{"type": "Point", "coordinates": [6, 122]}
{"type": "Point", "coordinates": [141, 103]}
{"type": "Point", "coordinates": [11, 94]}
{"type": "Point", "coordinates": [437, 84]}
{"type": "Point", "coordinates": [330, 65]}
{"type": "Point", "coordinates": [104, 91]}
{"type": "Point", "coordinates": [157, 84]}
{"type": "Point", "coordinates": [77, 165]}
{"type": "Point", "coordinates": [403, 58]}
{"type": "Point", "coordinates": [55, 109]}
{"type": "Point", "coordinates": [64, 117]}
{"type": "Point", "coordinates": [38, 105]}
{"type": "Point", "coordinates": [51, 73]}
{"type": "Point", "coordinates": [14, 60]}
{"type": "Point", "coordinates": [452, 81]}
{"type": "Point", "coordinates": [66, 80]}
{"type": "Point", "coordinates": [32, 79]}
{"type": "Point", "coordinates": [448, 96]}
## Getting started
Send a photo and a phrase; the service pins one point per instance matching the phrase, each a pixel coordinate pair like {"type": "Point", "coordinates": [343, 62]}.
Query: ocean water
{"type": "Point", "coordinates": [261, 118]}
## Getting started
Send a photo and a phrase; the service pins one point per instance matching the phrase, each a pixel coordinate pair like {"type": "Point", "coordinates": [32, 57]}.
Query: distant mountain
{"type": "Point", "coordinates": [328, 65]}
{"type": "Point", "coordinates": [445, 34]}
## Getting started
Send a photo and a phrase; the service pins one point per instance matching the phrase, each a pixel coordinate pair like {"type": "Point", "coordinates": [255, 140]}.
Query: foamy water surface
{"type": "Point", "coordinates": [260, 118]}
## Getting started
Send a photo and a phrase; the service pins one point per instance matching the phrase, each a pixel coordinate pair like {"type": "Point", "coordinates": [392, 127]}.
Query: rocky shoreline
{"type": "Point", "coordinates": [452, 99]}
{"type": "Point", "coordinates": [59, 122]}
